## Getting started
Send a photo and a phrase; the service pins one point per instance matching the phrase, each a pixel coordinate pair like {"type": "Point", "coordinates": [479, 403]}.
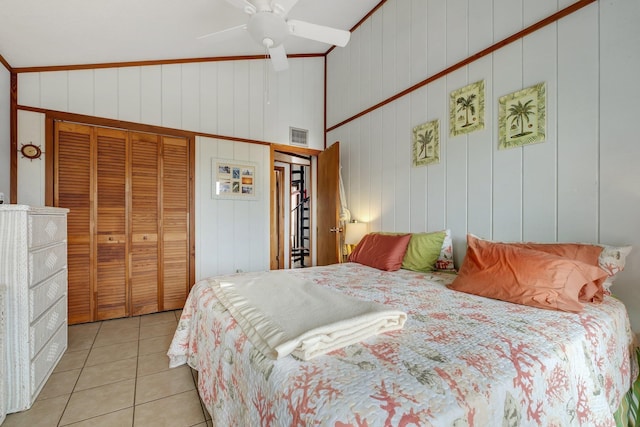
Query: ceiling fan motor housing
{"type": "Point", "coordinates": [268, 29]}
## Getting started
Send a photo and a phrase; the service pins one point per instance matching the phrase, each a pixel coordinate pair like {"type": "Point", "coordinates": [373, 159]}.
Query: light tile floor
{"type": "Point", "coordinates": [116, 373]}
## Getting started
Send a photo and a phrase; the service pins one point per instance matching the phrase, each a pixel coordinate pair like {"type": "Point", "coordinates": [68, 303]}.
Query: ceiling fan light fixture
{"type": "Point", "coordinates": [267, 29]}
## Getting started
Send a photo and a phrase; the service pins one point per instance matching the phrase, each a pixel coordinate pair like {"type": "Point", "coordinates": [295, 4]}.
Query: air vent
{"type": "Point", "coordinates": [299, 136]}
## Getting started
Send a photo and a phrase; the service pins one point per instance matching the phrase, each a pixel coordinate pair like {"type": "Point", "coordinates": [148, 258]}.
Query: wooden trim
{"type": "Point", "coordinates": [292, 149]}
{"type": "Point", "coordinates": [279, 156]}
{"type": "Point", "coordinates": [49, 158]}
{"type": "Point", "coordinates": [517, 36]}
{"type": "Point", "coordinates": [277, 219]}
{"type": "Point", "coordinates": [360, 22]}
{"type": "Point", "coordinates": [6, 64]}
{"type": "Point", "coordinates": [371, 12]}
{"type": "Point", "coordinates": [272, 220]}
{"type": "Point", "coordinates": [13, 138]}
{"type": "Point", "coordinates": [140, 127]}
{"type": "Point", "coordinates": [104, 122]}
{"type": "Point", "coordinates": [153, 62]}
{"type": "Point", "coordinates": [324, 143]}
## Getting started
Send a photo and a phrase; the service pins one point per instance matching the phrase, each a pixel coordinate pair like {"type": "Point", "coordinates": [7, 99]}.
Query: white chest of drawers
{"type": "Point", "coordinates": [3, 409]}
{"type": "Point", "coordinates": [33, 267]}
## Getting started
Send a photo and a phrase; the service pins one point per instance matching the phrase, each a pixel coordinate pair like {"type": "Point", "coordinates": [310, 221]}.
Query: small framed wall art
{"type": "Point", "coordinates": [426, 143]}
{"type": "Point", "coordinates": [522, 117]}
{"type": "Point", "coordinates": [233, 179]}
{"type": "Point", "coordinates": [466, 109]}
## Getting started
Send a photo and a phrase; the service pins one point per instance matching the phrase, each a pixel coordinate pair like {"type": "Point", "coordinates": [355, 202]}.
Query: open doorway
{"type": "Point", "coordinates": [291, 226]}
{"type": "Point", "coordinates": [300, 193]}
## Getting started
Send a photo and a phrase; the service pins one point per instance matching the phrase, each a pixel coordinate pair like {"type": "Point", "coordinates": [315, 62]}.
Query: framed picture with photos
{"type": "Point", "coordinates": [233, 179]}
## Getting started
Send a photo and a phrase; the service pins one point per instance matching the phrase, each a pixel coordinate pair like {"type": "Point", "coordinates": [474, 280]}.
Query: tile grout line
{"type": "Point", "coordinates": [92, 336]}
{"type": "Point", "coordinates": [84, 364]}
{"type": "Point", "coordinates": [135, 382]}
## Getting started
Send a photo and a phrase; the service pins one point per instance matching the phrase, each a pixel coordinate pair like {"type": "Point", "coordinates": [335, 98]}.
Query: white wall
{"type": "Point", "coordinates": [5, 142]}
{"type": "Point", "coordinates": [232, 234]}
{"type": "Point", "coordinates": [31, 173]}
{"type": "Point", "coordinates": [220, 98]}
{"type": "Point", "coordinates": [619, 90]}
{"type": "Point", "coordinates": [581, 184]}
{"type": "Point", "coordinates": [226, 98]}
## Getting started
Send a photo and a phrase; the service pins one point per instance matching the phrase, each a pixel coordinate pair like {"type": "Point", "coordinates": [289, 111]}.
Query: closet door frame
{"type": "Point", "coordinates": [52, 116]}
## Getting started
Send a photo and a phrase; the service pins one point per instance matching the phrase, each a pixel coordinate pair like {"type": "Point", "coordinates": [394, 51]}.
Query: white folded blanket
{"type": "Point", "coordinates": [284, 315]}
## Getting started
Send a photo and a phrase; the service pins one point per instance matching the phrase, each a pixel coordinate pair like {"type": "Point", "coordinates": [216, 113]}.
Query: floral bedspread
{"type": "Point", "coordinates": [461, 360]}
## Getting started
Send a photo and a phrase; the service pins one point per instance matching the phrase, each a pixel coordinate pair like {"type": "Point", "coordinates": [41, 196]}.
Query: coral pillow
{"type": "Point", "coordinates": [586, 253]}
{"type": "Point", "coordinates": [525, 276]}
{"type": "Point", "coordinates": [381, 251]}
{"type": "Point", "coordinates": [609, 258]}
{"type": "Point", "coordinates": [589, 254]}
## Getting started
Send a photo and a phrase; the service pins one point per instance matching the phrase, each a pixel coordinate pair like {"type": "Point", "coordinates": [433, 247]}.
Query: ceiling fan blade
{"type": "Point", "coordinates": [282, 7]}
{"type": "Point", "coordinates": [225, 33]}
{"type": "Point", "coordinates": [319, 33]}
{"type": "Point", "coordinates": [278, 58]}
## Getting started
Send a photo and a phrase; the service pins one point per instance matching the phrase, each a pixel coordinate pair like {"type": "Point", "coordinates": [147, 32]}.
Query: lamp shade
{"type": "Point", "coordinates": [354, 232]}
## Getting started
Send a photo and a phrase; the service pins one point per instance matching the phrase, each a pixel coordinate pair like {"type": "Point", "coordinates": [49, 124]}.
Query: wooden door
{"type": "Point", "coordinates": [110, 217]}
{"type": "Point", "coordinates": [277, 218]}
{"type": "Point", "coordinates": [328, 205]}
{"type": "Point", "coordinates": [144, 220]}
{"type": "Point", "coordinates": [174, 201]}
{"type": "Point", "coordinates": [73, 189]}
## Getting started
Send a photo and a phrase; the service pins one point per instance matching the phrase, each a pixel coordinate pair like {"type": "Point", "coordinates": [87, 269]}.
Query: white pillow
{"type": "Point", "coordinates": [612, 260]}
{"type": "Point", "coordinates": [445, 259]}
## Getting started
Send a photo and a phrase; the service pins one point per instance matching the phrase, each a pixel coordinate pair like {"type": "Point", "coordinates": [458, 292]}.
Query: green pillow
{"type": "Point", "coordinates": [423, 250]}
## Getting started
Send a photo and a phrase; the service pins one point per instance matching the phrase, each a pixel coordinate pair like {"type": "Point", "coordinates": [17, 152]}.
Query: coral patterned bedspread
{"type": "Point", "coordinates": [461, 360]}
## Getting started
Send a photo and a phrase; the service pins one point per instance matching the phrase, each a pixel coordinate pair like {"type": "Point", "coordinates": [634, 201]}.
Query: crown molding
{"type": "Point", "coordinates": [152, 62]}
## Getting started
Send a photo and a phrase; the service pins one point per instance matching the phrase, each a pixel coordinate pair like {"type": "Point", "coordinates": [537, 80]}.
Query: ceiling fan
{"type": "Point", "coordinates": [268, 25]}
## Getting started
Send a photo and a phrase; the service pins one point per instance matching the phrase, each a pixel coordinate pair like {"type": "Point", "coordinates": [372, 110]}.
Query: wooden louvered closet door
{"type": "Point", "coordinates": [73, 190]}
{"type": "Point", "coordinates": [144, 223]}
{"type": "Point", "coordinates": [175, 222]}
{"type": "Point", "coordinates": [111, 223]}
{"type": "Point", "coordinates": [129, 220]}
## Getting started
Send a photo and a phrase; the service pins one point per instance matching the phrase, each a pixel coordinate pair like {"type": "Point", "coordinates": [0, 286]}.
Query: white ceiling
{"type": "Point", "coordinates": [36, 33]}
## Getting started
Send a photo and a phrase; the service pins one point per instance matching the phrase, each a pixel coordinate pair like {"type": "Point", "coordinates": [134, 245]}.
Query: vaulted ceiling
{"type": "Point", "coordinates": [36, 33]}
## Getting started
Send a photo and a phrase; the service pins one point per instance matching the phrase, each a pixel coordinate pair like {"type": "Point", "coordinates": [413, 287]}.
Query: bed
{"type": "Point", "coordinates": [460, 360]}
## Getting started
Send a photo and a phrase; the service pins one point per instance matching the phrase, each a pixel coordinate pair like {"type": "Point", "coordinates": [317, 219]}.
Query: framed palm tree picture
{"type": "Point", "coordinates": [466, 109]}
{"type": "Point", "coordinates": [426, 143]}
{"type": "Point", "coordinates": [521, 117]}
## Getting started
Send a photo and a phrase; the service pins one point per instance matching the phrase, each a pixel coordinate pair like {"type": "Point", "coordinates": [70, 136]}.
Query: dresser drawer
{"type": "Point", "coordinates": [43, 295]}
{"type": "Point", "coordinates": [41, 331]}
{"type": "Point", "coordinates": [46, 229]}
{"type": "Point", "coordinates": [46, 261]}
{"type": "Point", "coordinates": [45, 361]}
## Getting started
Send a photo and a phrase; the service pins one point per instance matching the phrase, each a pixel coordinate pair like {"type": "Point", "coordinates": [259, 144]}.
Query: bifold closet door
{"type": "Point", "coordinates": [90, 180]}
{"type": "Point", "coordinates": [128, 225]}
{"type": "Point", "coordinates": [144, 256]}
{"type": "Point", "coordinates": [110, 216]}
{"type": "Point", "coordinates": [175, 222]}
{"type": "Point", "coordinates": [73, 190]}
